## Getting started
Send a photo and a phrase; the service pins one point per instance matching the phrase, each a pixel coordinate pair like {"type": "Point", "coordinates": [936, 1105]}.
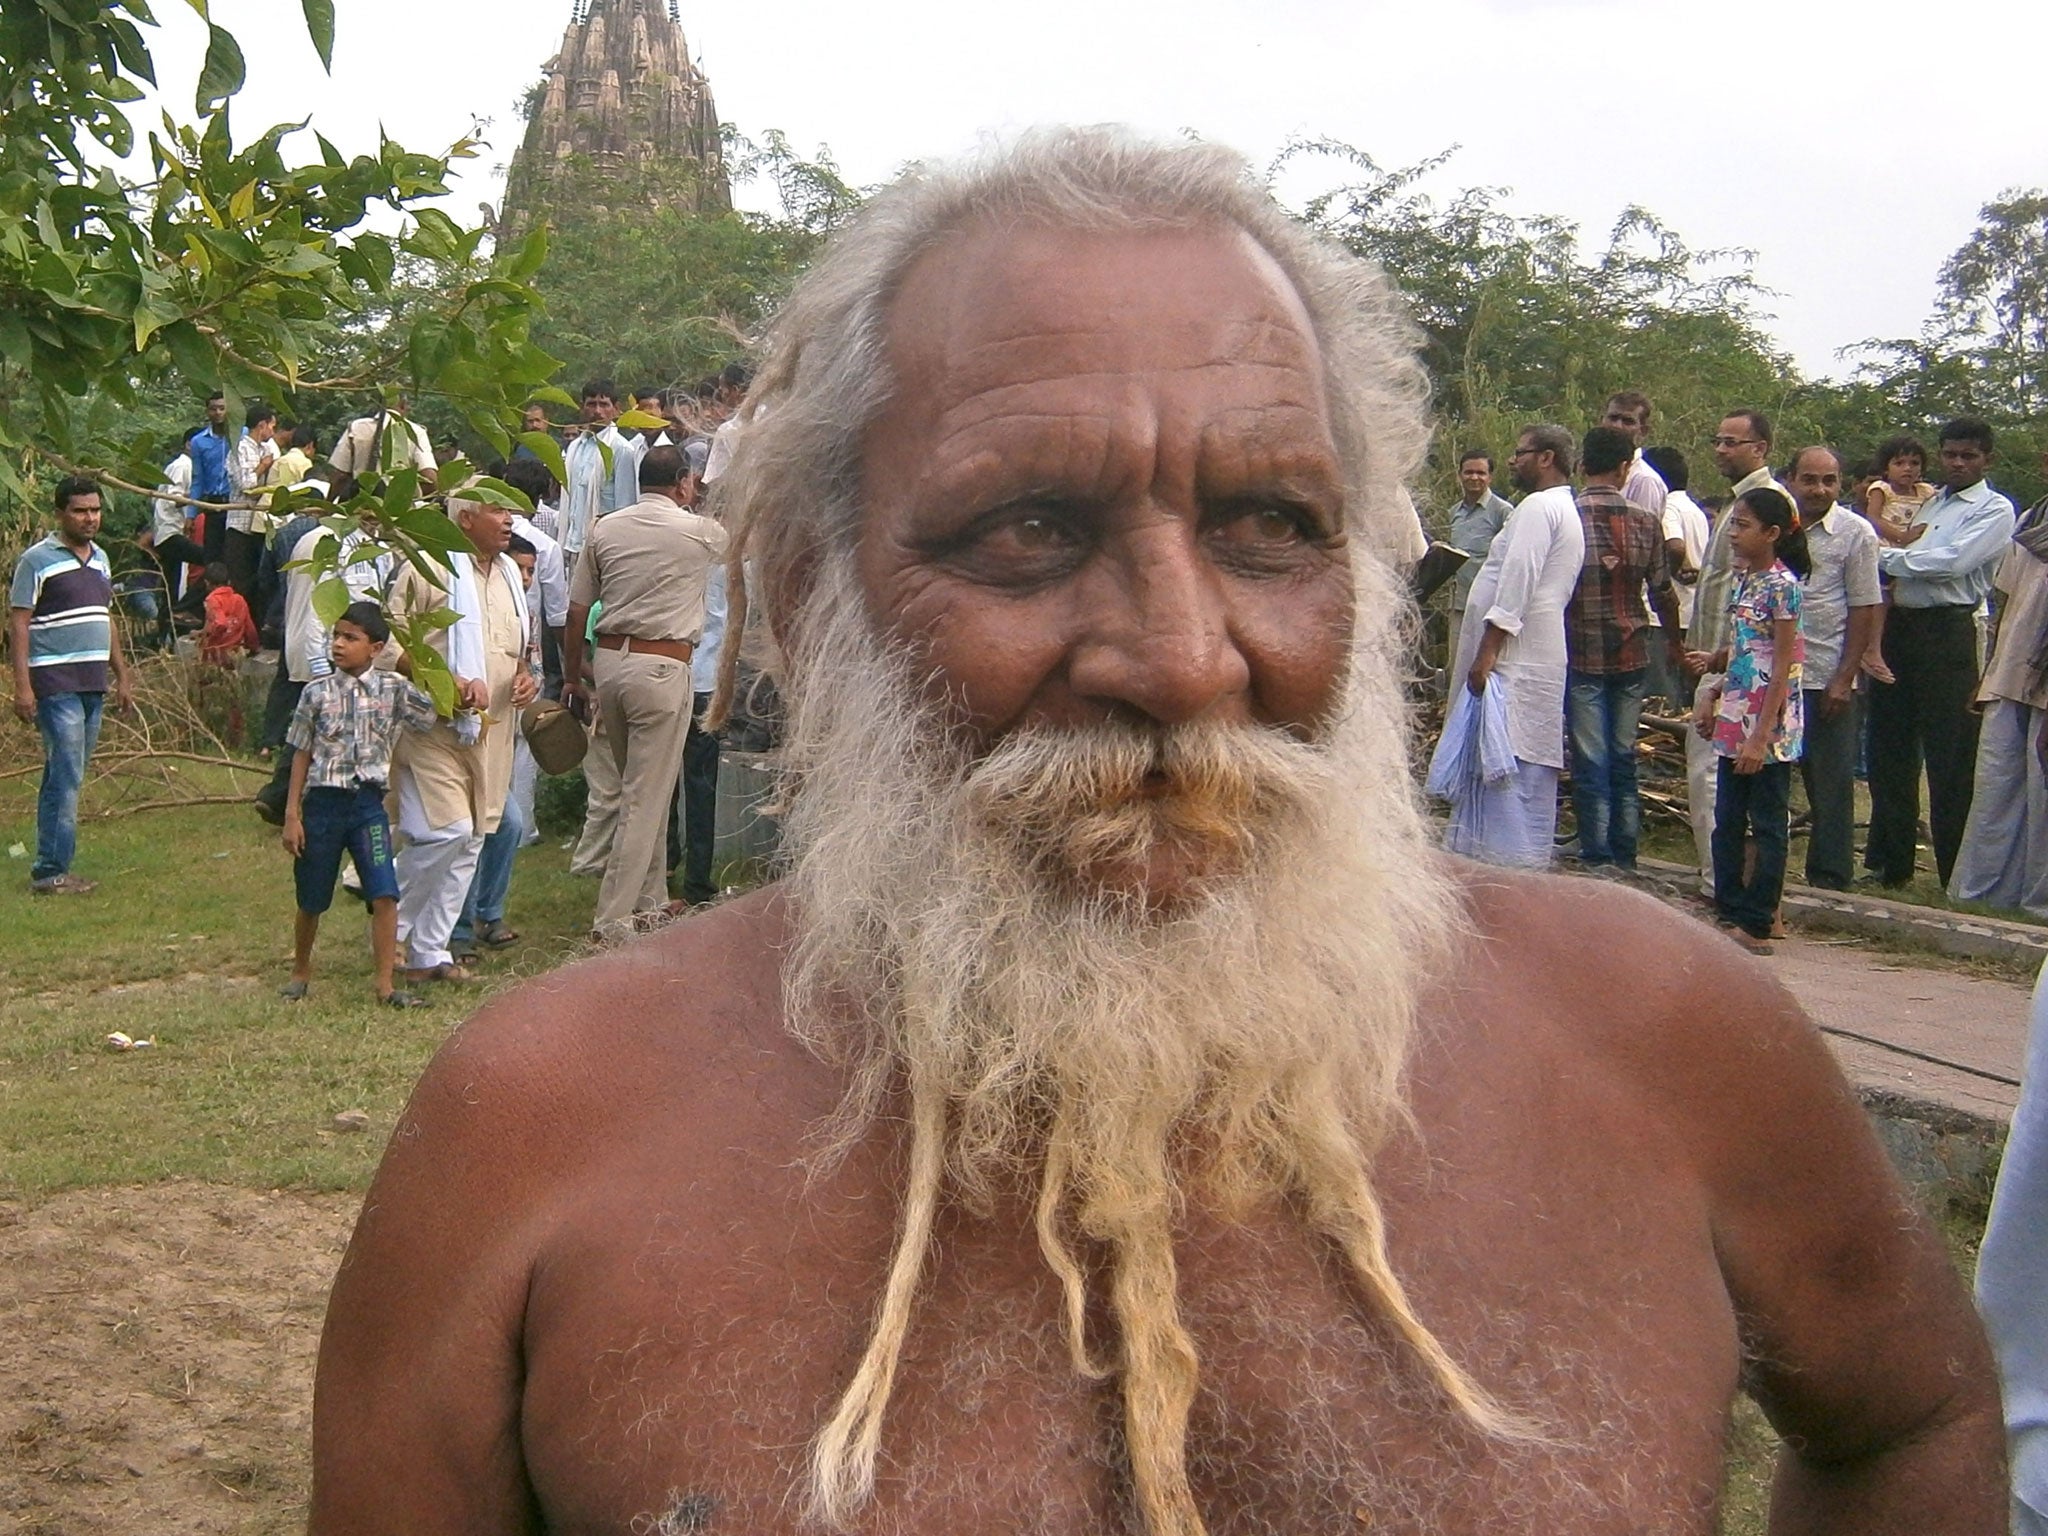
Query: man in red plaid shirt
{"type": "Point", "coordinates": [1607, 635]}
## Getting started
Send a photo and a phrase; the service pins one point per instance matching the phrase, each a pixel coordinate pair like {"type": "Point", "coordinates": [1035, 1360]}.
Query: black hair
{"type": "Point", "coordinates": [520, 545]}
{"type": "Point", "coordinates": [1774, 509]}
{"type": "Point", "coordinates": [1605, 450]}
{"type": "Point", "coordinates": [1670, 464]}
{"type": "Point", "coordinates": [663, 467]}
{"type": "Point", "coordinates": [369, 618]}
{"type": "Point", "coordinates": [1792, 464]}
{"type": "Point", "coordinates": [1967, 429]}
{"type": "Point", "coordinates": [257, 414]}
{"type": "Point", "coordinates": [217, 575]}
{"type": "Point", "coordinates": [600, 387]}
{"type": "Point", "coordinates": [216, 395]}
{"type": "Point", "coordinates": [70, 486]}
{"type": "Point", "coordinates": [1555, 441]}
{"type": "Point", "coordinates": [1759, 423]}
{"type": "Point", "coordinates": [736, 376]}
{"type": "Point", "coordinates": [1898, 445]}
{"type": "Point", "coordinates": [1476, 453]}
{"type": "Point", "coordinates": [648, 391]}
{"type": "Point", "coordinates": [529, 476]}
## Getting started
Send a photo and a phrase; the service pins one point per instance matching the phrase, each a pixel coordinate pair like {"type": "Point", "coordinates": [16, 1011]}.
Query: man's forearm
{"type": "Point", "coordinates": [1863, 623]}
{"type": "Point", "coordinates": [1945, 1480]}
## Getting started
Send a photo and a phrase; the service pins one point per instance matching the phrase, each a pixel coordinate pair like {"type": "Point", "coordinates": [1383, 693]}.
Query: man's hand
{"type": "Point", "coordinates": [1840, 693]}
{"type": "Point", "coordinates": [524, 690]}
{"type": "Point", "coordinates": [1475, 680]}
{"type": "Point", "coordinates": [1874, 668]}
{"type": "Point", "coordinates": [472, 693]}
{"type": "Point", "coordinates": [1910, 536]}
{"type": "Point", "coordinates": [1696, 663]}
{"type": "Point", "coordinates": [124, 693]}
{"type": "Point", "coordinates": [576, 699]}
{"type": "Point", "coordinates": [294, 835]}
{"type": "Point", "coordinates": [1703, 709]}
{"type": "Point", "coordinates": [25, 705]}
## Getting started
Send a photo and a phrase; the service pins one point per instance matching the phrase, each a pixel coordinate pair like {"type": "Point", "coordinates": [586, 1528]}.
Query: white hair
{"type": "Point", "coordinates": [792, 492]}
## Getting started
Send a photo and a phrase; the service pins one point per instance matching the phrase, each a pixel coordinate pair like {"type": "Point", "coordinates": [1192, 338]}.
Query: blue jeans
{"type": "Point", "coordinates": [486, 900]}
{"type": "Point", "coordinates": [70, 726]}
{"type": "Point", "coordinates": [1751, 806]}
{"type": "Point", "coordinates": [1603, 708]}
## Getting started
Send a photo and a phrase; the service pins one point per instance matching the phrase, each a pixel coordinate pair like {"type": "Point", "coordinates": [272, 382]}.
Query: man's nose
{"type": "Point", "coordinates": [1159, 637]}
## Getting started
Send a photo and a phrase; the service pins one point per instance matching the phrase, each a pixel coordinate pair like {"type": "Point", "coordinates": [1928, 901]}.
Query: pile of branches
{"type": "Point", "coordinates": [139, 765]}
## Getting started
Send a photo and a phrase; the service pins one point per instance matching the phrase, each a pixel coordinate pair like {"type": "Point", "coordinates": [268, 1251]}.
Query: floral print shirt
{"type": "Point", "coordinates": [1760, 599]}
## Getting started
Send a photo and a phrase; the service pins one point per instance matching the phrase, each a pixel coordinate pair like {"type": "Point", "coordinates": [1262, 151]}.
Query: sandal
{"type": "Point", "coordinates": [397, 999]}
{"type": "Point", "coordinates": [492, 931]}
{"type": "Point", "coordinates": [448, 970]}
{"type": "Point", "coordinates": [294, 991]}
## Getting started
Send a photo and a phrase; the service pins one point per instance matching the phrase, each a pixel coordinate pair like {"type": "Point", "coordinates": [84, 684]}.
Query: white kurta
{"type": "Point", "coordinates": [1531, 569]}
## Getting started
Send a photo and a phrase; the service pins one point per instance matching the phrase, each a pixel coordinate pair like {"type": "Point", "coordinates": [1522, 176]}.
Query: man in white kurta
{"type": "Point", "coordinates": [1519, 596]}
{"type": "Point", "coordinates": [452, 781]}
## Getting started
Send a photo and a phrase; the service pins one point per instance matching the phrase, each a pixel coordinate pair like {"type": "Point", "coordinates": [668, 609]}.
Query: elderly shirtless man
{"type": "Point", "coordinates": [1121, 1119]}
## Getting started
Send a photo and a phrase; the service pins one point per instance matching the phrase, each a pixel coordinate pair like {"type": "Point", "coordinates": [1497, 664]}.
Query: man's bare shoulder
{"type": "Point", "coordinates": [1621, 981]}
{"type": "Point", "coordinates": [680, 1027]}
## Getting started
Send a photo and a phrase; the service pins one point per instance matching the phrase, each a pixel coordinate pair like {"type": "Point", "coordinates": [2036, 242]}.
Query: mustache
{"type": "Point", "coordinates": [1113, 791]}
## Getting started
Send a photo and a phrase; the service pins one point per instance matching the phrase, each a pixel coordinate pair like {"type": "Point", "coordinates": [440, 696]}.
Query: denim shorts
{"type": "Point", "coordinates": [337, 821]}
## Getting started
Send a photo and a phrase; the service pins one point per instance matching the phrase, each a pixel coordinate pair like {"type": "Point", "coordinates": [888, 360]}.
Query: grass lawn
{"type": "Point", "coordinates": [186, 942]}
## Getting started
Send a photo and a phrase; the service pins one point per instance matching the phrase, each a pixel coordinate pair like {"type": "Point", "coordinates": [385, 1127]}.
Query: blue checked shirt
{"type": "Point", "coordinates": [347, 726]}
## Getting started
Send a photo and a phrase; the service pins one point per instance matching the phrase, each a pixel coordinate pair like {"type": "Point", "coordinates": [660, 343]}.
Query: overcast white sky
{"type": "Point", "coordinates": [1849, 143]}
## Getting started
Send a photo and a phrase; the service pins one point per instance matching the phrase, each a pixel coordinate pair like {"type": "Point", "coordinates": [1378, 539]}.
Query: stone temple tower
{"type": "Point", "coordinates": [623, 116]}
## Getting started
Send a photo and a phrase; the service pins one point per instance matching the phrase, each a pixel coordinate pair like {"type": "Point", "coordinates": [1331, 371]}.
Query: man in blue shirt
{"type": "Point", "coordinates": [209, 447]}
{"type": "Point", "coordinates": [1939, 579]}
{"type": "Point", "coordinates": [64, 644]}
{"type": "Point", "coordinates": [1480, 514]}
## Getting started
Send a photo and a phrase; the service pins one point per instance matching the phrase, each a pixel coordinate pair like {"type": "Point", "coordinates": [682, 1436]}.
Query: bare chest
{"type": "Point", "coordinates": [679, 1372]}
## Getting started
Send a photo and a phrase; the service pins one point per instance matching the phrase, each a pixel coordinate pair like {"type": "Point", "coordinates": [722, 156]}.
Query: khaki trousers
{"type": "Point", "coordinates": [644, 702]}
{"type": "Point", "coordinates": [601, 805]}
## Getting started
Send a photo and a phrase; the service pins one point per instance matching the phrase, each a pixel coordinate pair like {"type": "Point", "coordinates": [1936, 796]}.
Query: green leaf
{"type": "Point", "coordinates": [223, 73]}
{"type": "Point", "coordinates": [331, 598]}
{"type": "Point", "coordinates": [549, 452]}
{"type": "Point", "coordinates": [320, 24]}
{"type": "Point", "coordinates": [120, 88]}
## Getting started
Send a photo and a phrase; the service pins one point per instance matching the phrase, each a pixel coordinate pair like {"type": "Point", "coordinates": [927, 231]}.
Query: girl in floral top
{"type": "Point", "coordinates": [1754, 717]}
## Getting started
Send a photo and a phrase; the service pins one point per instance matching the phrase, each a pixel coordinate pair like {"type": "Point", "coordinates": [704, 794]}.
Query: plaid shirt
{"type": "Point", "coordinates": [347, 726]}
{"type": "Point", "coordinates": [1605, 620]}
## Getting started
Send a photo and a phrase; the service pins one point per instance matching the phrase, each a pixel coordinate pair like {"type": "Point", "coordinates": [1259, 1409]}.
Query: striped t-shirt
{"type": "Point", "coordinates": [70, 625]}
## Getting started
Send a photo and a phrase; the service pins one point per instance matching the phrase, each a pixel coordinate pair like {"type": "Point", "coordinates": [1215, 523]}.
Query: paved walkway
{"type": "Point", "coordinates": [1942, 1035]}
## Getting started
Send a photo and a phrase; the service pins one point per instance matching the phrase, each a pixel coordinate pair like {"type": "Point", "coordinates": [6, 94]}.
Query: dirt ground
{"type": "Point", "coordinates": [157, 1369]}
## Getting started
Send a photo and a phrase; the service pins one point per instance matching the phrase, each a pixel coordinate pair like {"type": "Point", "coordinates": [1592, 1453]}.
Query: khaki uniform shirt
{"type": "Point", "coordinates": [649, 564]}
{"type": "Point", "coordinates": [457, 782]}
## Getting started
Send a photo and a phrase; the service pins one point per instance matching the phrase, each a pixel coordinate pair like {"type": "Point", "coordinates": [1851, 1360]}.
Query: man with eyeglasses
{"type": "Point", "coordinates": [1940, 578]}
{"type": "Point", "coordinates": [1742, 452]}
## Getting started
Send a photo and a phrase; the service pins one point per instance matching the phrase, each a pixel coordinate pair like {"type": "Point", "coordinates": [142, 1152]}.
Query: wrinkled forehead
{"type": "Point", "coordinates": [995, 307]}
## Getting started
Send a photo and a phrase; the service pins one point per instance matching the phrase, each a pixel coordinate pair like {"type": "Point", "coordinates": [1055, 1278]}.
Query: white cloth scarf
{"type": "Point", "coordinates": [466, 635]}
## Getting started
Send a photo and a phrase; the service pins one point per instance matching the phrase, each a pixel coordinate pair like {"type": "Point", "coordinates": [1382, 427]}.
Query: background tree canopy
{"type": "Point", "coordinates": [321, 281]}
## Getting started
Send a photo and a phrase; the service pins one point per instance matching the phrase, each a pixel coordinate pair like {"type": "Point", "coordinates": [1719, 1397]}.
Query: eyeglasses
{"type": "Point", "coordinates": [1733, 442]}
{"type": "Point", "coordinates": [1523, 453]}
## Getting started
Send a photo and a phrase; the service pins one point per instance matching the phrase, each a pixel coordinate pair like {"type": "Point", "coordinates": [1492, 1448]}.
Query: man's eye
{"type": "Point", "coordinates": [1037, 533]}
{"type": "Point", "coordinates": [1269, 526]}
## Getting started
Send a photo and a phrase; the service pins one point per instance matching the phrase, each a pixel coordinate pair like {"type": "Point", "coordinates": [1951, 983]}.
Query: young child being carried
{"type": "Point", "coordinates": [344, 730]}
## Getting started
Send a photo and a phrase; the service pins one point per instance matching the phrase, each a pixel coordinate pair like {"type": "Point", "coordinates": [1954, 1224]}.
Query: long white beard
{"type": "Point", "coordinates": [1247, 1039]}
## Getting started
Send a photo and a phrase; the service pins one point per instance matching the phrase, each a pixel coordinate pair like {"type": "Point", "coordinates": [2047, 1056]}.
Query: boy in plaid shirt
{"type": "Point", "coordinates": [344, 729]}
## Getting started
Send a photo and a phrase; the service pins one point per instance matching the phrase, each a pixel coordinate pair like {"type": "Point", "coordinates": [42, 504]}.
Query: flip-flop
{"type": "Point", "coordinates": [496, 934]}
{"type": "Point", "coordinates": [397, 999]}
{"type": "Point", "coordinates": [293, 991]}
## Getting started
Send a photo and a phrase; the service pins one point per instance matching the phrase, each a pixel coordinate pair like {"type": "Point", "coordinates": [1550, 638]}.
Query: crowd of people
{"type": "Point", "coordinates": [609, 598]}
{"type": "Point", "coordinates": [1838, 619]}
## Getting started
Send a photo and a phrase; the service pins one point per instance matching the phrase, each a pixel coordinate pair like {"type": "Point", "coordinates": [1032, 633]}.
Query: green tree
{"type": "Point", "coordinates": [1521, 324]}
{"type": "Point", "coordinates": [1992, 304]}
{"type": "Point", "coordinates": [652, 291]}
{"type": "Point", "coordinates": [235, 265]}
